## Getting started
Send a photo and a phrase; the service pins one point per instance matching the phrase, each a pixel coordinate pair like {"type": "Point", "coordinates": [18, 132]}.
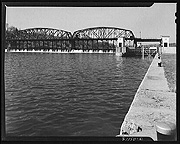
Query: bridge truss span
{"type": "Point", "coordinates": [39, 38]}
{"type": "Point", "coordinates": [95, 39]}
{"type": "Point", "coordinates": [103, 33]}
{"type": "Point", "coordinates": [41, 34]}
{"type": "Point", "coordinates": [100, 38]}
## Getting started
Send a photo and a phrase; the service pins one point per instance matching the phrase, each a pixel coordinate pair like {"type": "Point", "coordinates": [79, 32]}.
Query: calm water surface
{"type": "Point", "coordinates": [69, 94]}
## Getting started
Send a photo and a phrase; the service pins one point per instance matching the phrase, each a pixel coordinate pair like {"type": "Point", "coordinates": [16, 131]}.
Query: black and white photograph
{"type": "Point", "coordinates": [90, 71]}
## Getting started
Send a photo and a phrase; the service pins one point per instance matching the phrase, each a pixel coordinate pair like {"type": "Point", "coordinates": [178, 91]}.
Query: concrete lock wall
{"type": "Point", "coordinates": [152, 103]}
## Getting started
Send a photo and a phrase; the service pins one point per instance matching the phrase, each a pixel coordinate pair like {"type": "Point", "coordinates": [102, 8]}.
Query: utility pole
{"type": "Point", "coordinates": [140, 37]}
{"type": "Point", "coordinates": [142, 49]}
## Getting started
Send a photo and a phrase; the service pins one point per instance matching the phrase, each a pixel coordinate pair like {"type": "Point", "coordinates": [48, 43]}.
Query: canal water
{"type": "Point", "coordinates": [69, 94]}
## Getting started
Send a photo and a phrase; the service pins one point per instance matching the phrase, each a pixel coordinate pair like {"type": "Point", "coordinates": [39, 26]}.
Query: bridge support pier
{"type": "Point", "coordinates": [118, 51]}
{"type": "Point", "coordinates": [120, 47]}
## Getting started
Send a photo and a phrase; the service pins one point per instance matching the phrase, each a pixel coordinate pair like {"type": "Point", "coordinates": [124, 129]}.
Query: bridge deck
{"type": "Point", "coordinates": [76, 39]}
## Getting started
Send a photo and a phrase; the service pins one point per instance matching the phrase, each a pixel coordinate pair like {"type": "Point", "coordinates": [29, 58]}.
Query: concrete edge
{"type": "Point", "coordinates": [139, 88]}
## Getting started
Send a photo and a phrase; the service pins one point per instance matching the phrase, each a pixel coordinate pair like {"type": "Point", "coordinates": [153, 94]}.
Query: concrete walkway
{"type": "Point", "coordinates": [152, 103]}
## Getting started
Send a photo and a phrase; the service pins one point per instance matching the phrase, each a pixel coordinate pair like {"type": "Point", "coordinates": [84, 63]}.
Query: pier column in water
{"type": "Point", "coordinates": [27, 44]}
{"type": "Point", "coordinates": [72, 41]}
{"type": "Point", "coordinates": [120, 47]}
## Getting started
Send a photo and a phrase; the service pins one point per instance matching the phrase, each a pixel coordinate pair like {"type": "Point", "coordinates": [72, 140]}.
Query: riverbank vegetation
{"type": "Point", "coordinates": [169, 64]}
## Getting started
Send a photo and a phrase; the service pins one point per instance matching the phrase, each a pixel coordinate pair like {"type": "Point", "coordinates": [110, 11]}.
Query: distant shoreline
{"type": "Point", "coordinates": [50, 51]}
{"type": "Point", "coordinates": [169, 50]}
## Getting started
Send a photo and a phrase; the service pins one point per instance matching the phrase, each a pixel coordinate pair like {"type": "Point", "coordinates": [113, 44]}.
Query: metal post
{"type": "Point", "coordinates": [108, 45]}
{"type": "Point", "coordinates": [83, 44]}
{"type": "Point", "coordinates": [27, 44]}
{"type": "Point", "coordinates": [35, 43]}
{"type": "Point", "coordinates": [87, 45]}
{"type": "Point", "coordinates": [97, 45]}
{"type": "Point", "coordinates": [103, 46]}
{"type": "Point", "coordinates": [92, 45]}
{"type": "Point", "coordinates": [61, 45]}
{"type": "Point", "coordinates": [166, 131]}
{"type": "Point", "coordinates": [74, 45]}
{"type": "Point", "coordinates": [30, 44]}
{"type": "Point", "coordinates": [18, 44]}
{"type": "Point", "coordinates": [55, 44]}
{"type": "Point", "coordinates": [79, 45]}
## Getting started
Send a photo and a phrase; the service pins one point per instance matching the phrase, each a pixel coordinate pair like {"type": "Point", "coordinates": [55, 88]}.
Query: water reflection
{"type": "Point", "coordinates": [119, 60]}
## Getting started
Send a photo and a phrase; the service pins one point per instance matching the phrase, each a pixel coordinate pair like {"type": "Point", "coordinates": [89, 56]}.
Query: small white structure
{"type": "Point", "coordinates": [165, 42]}
{"type": "Point", "coordinates": [138, 44]}
{"type": "Point", "coordinates": [153, 48]}
{"type": "Point", "coordinates": [100, 51]}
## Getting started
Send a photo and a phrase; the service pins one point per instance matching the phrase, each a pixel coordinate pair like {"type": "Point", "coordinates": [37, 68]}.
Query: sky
{"type": "Point", "coordinates": [147, 22]}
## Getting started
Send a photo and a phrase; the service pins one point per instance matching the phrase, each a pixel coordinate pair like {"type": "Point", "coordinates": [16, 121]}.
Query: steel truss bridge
{"type": "Point", "coordinates": [96, 38]}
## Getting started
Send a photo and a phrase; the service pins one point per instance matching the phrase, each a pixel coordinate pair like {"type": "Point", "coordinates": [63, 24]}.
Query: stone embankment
{"type": "Point", "coordinates": [153, 103]}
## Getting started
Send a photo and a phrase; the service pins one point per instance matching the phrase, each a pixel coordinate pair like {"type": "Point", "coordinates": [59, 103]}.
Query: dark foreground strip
{"type": "Point", "coordinates": [84, 138]}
